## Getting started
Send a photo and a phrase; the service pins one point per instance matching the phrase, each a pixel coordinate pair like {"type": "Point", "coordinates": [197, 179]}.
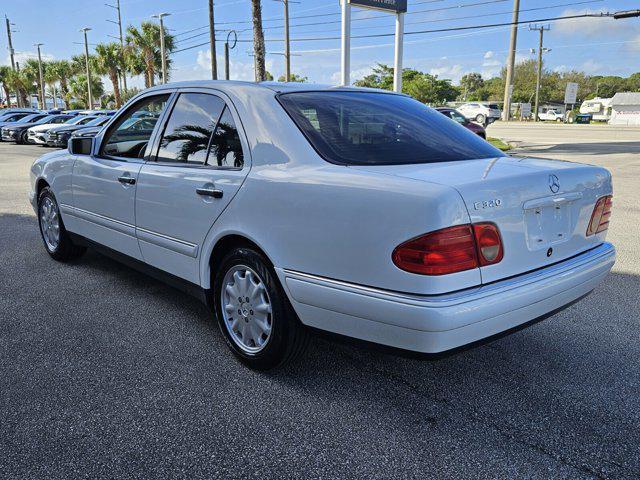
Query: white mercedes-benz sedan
{"type": "Point", "coordinates": [358, 212]}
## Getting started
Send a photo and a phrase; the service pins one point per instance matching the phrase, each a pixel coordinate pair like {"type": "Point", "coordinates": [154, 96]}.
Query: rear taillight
{"type": "Point", "coordinates": [489, 243]}
{"type": "Point", "coordinates": [600, 217]}
{"type": "Point", "coordinates": [450, 250]}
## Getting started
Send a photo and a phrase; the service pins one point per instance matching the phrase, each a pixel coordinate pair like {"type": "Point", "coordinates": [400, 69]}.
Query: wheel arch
{"type": "Point", "coordinates": [224, 244]}
{"type": "Point", "coordinates": [41, 183]}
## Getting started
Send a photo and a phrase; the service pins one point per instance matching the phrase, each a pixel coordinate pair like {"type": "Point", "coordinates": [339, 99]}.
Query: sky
{"type": "Point", "coordinates": [596, 46]}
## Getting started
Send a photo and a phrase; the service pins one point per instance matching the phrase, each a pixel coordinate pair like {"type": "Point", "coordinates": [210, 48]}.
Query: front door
{"type": "Point", "coordinates": [199, 167]}
{"type": "Point", "coordinates": [104, 183]}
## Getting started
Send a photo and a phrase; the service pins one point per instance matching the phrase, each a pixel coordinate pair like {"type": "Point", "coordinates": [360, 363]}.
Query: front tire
{"type": "Point", "coordinates": [55, 237]}
{"type": "Point", "coordinates": [254, 315]}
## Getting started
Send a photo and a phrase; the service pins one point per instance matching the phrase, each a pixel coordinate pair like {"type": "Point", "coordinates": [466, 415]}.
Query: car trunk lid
{"type": "Point", "coordinates": [541, 207]}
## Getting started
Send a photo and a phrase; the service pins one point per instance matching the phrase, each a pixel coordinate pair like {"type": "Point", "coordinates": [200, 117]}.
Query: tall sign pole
{"type": "Point", "coordinates": [345, 64]}
{"type": "Point", "coordinates": [397, 65]}
{"type": "Point", "coordinates": [399, 7]}
{"type": "Point", "coordinates": [511, 60]}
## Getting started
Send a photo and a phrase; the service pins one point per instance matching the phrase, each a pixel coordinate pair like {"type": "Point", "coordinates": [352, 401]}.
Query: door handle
{"type": "Point", "coordinates": [127, 180]}
{"type": "Point", "coordinates": [209, 192]}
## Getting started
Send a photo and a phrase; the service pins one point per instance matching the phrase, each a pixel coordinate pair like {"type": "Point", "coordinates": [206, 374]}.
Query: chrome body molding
{"type": "Point", "coordinates": [170, 243]}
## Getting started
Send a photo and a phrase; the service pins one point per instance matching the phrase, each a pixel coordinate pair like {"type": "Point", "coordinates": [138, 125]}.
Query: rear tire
{"type": "Point", "coordinates": [24, 138]}
{"type": "Point", "coordinates": [480, 118]}
{"type": "Point", "coordinates": [253, 312]}
{"type": "Point", "coordinates": [54, 236]}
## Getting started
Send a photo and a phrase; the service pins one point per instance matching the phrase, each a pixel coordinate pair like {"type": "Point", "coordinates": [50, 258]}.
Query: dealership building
{"type": "Point", "coordinates": [625, 109]}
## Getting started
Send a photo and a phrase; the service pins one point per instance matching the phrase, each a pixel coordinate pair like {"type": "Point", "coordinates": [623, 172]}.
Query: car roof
{"type": "Point", "coordinates": [278, 87]}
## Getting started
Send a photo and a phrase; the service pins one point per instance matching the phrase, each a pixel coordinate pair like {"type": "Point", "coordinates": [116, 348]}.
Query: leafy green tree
{"type": "Point", "coordinates": [78, 89]}
{"type": "Point", "coordinates": [294, 78]}
{"type": "Point", "coordinates": [5, 73]}
{"type": "Point", "coordinates": [471, 84]}
{"type": "Point", "coordinates": [424, 87]}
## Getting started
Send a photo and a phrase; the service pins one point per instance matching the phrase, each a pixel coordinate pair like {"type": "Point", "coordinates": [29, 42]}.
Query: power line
{"type": "Point", "coordinates": [370, 17]}
{"type": "Point", "coordinates": [419, 32]}
{"type": "Point", "coordinates": [439, 20]}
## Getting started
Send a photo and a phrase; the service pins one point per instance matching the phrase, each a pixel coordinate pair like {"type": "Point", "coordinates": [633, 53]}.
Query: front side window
{"type": "Point", "coordinates": [57, 120]}
{"type": "Point", "coordinates": [458, 117]}
{"type": "Point", "coordinates": [362, 128]}
{"type": "Point", "coordinates": [131, 133]}
{"type": "Point", "coordinates": [189, 129]}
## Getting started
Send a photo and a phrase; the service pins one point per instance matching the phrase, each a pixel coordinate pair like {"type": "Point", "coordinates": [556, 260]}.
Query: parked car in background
{"type": "Point", "coordinates": [31, 119]}
{"type": "Point", "coordinates": [551, 116]}
{"type": "Point", "coordinates": [8, 118]}
{"type": "Point", "coordinates": [36, 134]}
{"type": "Point", "coordinates": [59, 136]}
{"type": "Point", "coordinates": [18, 132]}
{"type": "Point", "coordinates": [363, 213]}
{"type": "Point", "coordinates": [482, 113]}
{"type": "Point", "coordinates": [453, 114]}
{"type": "Point", "coordinates": [97, 112]}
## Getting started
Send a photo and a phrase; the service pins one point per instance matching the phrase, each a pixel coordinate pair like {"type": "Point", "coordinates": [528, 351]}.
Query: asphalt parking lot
{"type": "Point", "coordinates": [106, 373]}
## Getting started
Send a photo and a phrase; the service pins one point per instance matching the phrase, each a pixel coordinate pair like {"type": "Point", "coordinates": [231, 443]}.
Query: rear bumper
{"type": "Point", "coordinates": [435, 324]}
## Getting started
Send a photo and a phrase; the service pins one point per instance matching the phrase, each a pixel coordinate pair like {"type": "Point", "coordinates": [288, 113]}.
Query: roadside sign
{"type": "Point", "coordinates": [396, 6]}
{"type": "Point", "coordinates": [571, 93]}
{"type": "Point", "coordinates": [511, 90]}
{"type": "Point", "coordinates": [525, 110]}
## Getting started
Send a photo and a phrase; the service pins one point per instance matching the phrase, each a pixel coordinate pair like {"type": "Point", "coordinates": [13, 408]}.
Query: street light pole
{"type": "Point", "coordinates": [508, 90]}
{"type": "Point", "coordinates": [86, 58]}
{"type": "Point", "coordinates": [287, 46]}
{"type": "Point", "coordinates": [163, 53]}
{"type": "Point", "coordinates": [119, 23]}
{"type": "Point", "coordinates": [43, 102]}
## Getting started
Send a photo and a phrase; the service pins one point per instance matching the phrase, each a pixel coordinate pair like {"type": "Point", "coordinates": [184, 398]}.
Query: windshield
{"type": "Point", "coordinates": [74, 120]}
{"type": "Point", "coordinates": [29, 118]}
{"type": "Point", "coordinates": [458, 117]}
{"type": "Point", "coordinates": [46, 119]}
{"type": "Point", "coordinates": [362, 128]}
{"type": "Point", "coordinates": [97, 121]}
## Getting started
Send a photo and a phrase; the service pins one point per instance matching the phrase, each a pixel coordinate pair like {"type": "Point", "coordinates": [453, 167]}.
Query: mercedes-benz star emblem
{"type": "Point", "coordinates": [554, 184]}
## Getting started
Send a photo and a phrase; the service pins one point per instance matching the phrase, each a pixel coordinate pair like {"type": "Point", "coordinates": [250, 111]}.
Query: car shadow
{"type": "Point", "coordinates": [566, 388]}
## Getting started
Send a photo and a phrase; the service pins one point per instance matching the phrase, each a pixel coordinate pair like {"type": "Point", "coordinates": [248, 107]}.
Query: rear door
{"type": "Point", "coordinates": [201, 160]}
{"type": "Point", "coordinates": [104, 183]}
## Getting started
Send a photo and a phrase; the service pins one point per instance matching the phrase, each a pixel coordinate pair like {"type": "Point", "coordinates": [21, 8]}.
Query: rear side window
{"type": "Point", "coordinates": [190, 127]}
{"type": "Point", "coordinates": [226, 148]}
{"type": "Point", "coordinates": [362, 128]}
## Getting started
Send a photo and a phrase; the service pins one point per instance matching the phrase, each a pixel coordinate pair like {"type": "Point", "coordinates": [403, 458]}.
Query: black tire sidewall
{"type": "Point", "coordinates": [282, 324]}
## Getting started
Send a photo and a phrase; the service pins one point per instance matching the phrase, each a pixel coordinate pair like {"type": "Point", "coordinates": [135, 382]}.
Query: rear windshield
{"type": "Point", "coordinates": [362, 128]}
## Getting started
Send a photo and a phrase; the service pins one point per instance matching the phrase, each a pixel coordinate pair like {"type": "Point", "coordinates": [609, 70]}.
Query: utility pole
{"type": "Point", "coordinates": [399, 43]}
{"type": "Point", "coordinates": [43, 100]}
{"type": "Point", "coordinates": [508, 86]}
{"type": "Point", "coordinates": [541, 50]}
{"type": "Point", "coordinates": [345, 43]}
{"type": "Point", "coordinates": [163, 53]}
{"type": "Point", "coordinates": [13, 62]}
{"type": "Point", "coordinates": [86, 59]}
{"type": "Point", "coordinates": [119, 23]}
{"type": "Point", "coordinates": [212, 43]}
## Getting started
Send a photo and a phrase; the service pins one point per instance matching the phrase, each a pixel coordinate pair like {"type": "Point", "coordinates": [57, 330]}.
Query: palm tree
{"type": "Point", "coordinates": [51, 78]}
{"type": "Point", "coordinates": [22, 82]}
{"type": "Point", "coordinates": [63, 71]}
{"type": "Point", "coordinates": [31, 71]}
{"type": "Point", "coordinates": [78, 88]}
{"type": "Point", "coordinates": [108, 61]}
{"type": "Point", "coordinates": [5, 72]}
{"type": "Point", "coordinates": [258, 40]}
{"type": "Point", "coordinates": [144, 43]}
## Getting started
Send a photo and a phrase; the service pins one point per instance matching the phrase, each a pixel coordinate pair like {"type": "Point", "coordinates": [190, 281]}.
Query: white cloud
{"type": "Point", "coordinates": [451, 72]}
{"type": "Point", "coordinates": [22, 57]}
{"type": "Point", "coordinates": [489, 54]}
{"type": "Point", "coordinates": [593, 27]}
{"type": "Point", "coordinates": [591, 67]}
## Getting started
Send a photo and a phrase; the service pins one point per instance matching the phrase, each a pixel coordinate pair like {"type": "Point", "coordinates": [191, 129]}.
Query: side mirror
{"type": "Point", "coordinates": [81, 146]}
